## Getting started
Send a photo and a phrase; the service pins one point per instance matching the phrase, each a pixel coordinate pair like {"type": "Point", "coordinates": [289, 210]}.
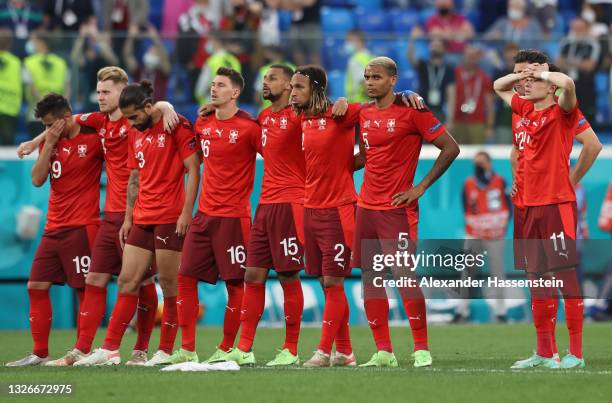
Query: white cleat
{"type": "Point", "coordinates": [29, 360]}
{"type": "Point", "coordinates": [100, 357]}
{"type": "Point", "coordinates": [342, 360]}
{"type": "Point", "coordinates": [139, 358]}
{"type": "Point", "coordinates": [159, 358]}
{"type": "Point", "coordinates": [67, 360]}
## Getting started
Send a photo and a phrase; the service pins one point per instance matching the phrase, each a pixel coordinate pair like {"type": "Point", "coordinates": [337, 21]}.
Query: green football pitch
{"type": "Point", "coordinates": [470, 365]}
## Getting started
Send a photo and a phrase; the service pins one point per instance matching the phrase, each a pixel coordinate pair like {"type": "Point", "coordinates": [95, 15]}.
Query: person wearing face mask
{"type": "Point", "coordinates": [43, 72]}
{"type": "Point", "coordinates": [155, 65]}
{"type": "Point", "coordinates": [436, 78]}
{"type": "Point", "coordinates": [591, 13]}
{"type": "Point", "coordinates": [518, 27]}
{"type": "Point", "coordinates": [486, 205]}
{"type": "Point", "coordinates": [354, 84]}
{"type": "Point", "coordinates": [218, 57]}
{"type": "Point", "coordinates": [580, 56]}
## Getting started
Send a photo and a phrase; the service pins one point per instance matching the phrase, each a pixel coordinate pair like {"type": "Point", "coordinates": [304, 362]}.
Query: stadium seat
{"type": "Point", "coordinates": [407, 80]}
{"type": "Point", "coordinates": [335, 84]}
{"type": "Point", "coordinates": [403, 21]}
{"type": "Point", "coordinates": [425, 13]}
{"type": "Point", "coordinates": [336, 20]}
{"type": "Point", "coordinates": [473, 16]}
{"type": "Point", "coordinates": [551, 48]}
{"type": "Point", "coordinates": [338, 3]}
{"type": "Point", "coordinates": [368, 4]}
{"type": "Point", "coordinates": [372, 21]}
{"type": "Point", "coordinates": [284, 20]}
{"type": "Point", "coordinates": [602, 84]}
{"type": "Point", "coordinates": [565, 5]}
{"type": "Point", "coordinates": [383, 48]}
{"type": "Point", "coordinates": [333, 55]}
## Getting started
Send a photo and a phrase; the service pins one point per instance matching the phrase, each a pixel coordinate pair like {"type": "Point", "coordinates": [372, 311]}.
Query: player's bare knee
{"type": "Point", "coordinates": [288, 277]}
{"type": "Point", "coordinates": [98, 279]}
{"type": "Point", "coordinates": [256, 275]}
{"type": "Point", "coordinates": [38, 285]}
{"type": "Point", "coordinates": [168, 283]}
{"type": "Point", "coordinates": [128, 284]}
{"type": "Point", "coordinates": [329, 281]}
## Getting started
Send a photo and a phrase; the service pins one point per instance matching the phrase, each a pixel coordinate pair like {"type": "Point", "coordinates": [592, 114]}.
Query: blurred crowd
{"type": "Point", "coordinates": [449, 52]}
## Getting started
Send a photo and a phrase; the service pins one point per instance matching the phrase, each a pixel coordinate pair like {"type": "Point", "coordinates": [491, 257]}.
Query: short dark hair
{"type": "Point", "coordinates": [483, 154]}
{"type": "Point", "coordinates": [234, 76]}
{"type": "Point", "coordinates": [53, 103]}
{"type": "Point", "coordinates": [553, 68]}
{"type": "Point", "coordinates": [287, 71]}
{"type": "Point", "coordinates": [530, 56]}
{"type": "Point", "coordinates": [136, 95]}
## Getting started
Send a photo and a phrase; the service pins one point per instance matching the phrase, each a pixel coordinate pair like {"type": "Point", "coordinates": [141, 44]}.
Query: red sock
{"type": "Point", "coordinates": [542, 323]}
{"type": "Point", "coordinates": [294, 307]}
{"type": "Point", "coordinates": [147, 308]}
{"type": "Point", "coordinates": [343, 339]}
{"type": "Point", "coordinates": [555, 303]}
{"type": "Point", "coordinates": [252, 309]}
{"type": "Point", "coordinates": [90, 315]}
{"type": "Point", "coordinates": [120, 319]}
{"type": "Point", "coordinates": [40, 321]}
{"type": "Point", "coordinates": [333, 313]}
{"type": "Point", "coordinates": [81, 298]}
{"type": "Point", "coordinates": [169, 325]}
{"type": "Point", "coordinates": [417, 316]}
{"type": "Point", "coordinates": [377, 311]}
{"type": "Point", "coordinates": [574, 309]}
{"type": "Point", "coordinates": [187, 307]}
{"type": "Point", "coordinates": [231, 321]}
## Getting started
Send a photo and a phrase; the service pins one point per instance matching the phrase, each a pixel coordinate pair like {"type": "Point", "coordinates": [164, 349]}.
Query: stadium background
{"type": "Point", "coordinates": [387, 26]}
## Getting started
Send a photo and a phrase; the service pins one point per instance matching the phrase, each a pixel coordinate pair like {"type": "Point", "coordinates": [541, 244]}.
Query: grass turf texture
{"type": "Point", "coordinates": [470, 365]}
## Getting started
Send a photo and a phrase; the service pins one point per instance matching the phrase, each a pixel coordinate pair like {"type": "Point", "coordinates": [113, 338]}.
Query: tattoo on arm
{"type": "Point", "coordinates": [132, 190]}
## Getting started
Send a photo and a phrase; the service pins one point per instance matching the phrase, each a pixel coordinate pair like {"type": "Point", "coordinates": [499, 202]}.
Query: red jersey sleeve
{"type": "Point", "coordinates": [351, 118]}
{"type": "Point", "coordinates": [94, 120]}
{"type": "Point", "coordinates": [132, 162]}
{"type": "Point", "coordinates": [427, 124]}
{"type": "Point", "coordinates": [185, 139]}
{"type": "Point", "coordinates": [255, 136]}
{"type": "Point", "coordinates": [582, 124]}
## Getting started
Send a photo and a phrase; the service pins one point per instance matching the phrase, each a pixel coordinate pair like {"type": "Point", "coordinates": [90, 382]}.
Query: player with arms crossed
{"type": "Point", "coordinates": [215, 246]}
{"type": "Point", "coordinates": [548, 196]}
{"type": "Point", "coordinates": [163, 206]}
{"type": "Point", "coordinates": [113, 130]}
{"type": "Point", "coordinates": [71, 156]}
{"type": "Point", "coordinates": [387, 209]}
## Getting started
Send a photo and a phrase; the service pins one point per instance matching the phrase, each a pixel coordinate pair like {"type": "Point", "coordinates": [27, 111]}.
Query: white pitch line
{"type": "Point", "coordinates": [458, 370]}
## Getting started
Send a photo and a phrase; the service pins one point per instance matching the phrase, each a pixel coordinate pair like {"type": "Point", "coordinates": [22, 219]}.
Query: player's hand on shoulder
{"type": "Point", "coordinates": [340, 107]}
{"type": "Point", "coordinates": [171, 119]}
{"type": "Point", "coordinates": [205, 110]}
{"type": "Point", "coordinates": [53, 133]}
{"type": "Point", "coordinates": [411, 99]}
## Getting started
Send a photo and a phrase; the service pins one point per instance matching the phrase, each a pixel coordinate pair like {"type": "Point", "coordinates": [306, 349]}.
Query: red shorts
{"type": "Point", "coordinates": [215, 247]}
{"type": "Point", "coordinates": [550, 237]}
{"type": "Point", "coordinates": [155, 236]}
{"type": "Point", "coordinates": [328, 235]}
{"type": "Point", "coordinates": [64, 256]}
{"type": "Point", "coordinates": [386, 231]}
{"type": "Point", "coordinates": [107, 253]}
{"type": "Point", "coordinates": [277, 237]}
{"type": "Point", "coordinates": [519, 238]}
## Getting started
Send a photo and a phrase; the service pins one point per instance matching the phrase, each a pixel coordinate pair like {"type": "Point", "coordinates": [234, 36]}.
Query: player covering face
{"type": "Point", "coordinates": [547, 193]}
{"type": "Point", "coordinates": [163, 206]}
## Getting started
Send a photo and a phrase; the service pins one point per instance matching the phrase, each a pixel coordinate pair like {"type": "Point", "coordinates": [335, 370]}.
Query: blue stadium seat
{"type": "Point", "coordinates": [368, 4]}
{"type": "Point", "coordinates": [407, 80]}
{"type": "Point", "coordinates": [370, 21]}
{"type": "Point", "coordinates": [564, 5]}
{"type": "Point", "coordinates": [338, 3]}
{"type": "Point", "coordinates": [383, 48]}
{"type": "Point", "coordinates": [602, 84]}
{"type": "Point", "coordinates": [336, 20]}
{"type": "Point", "coordinates": [335, 87]}
{"type": "Point", "coordinates": [551, 48]}
{"type": "Point", "coordinates": [403, 21]}
{"type": "Point", "coordinates": [425, 13]}
{"type": "Point", "coordinates": [284, 20]}
{"type": "Point", "coordinates": [473, 16]}
{"type": "Point", "coordinates": [333, 55]}
{"type": "Point", "coordinates": [190, 111]}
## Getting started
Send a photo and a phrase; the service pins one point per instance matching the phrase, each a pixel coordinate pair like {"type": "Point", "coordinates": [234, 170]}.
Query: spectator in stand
{"type": "Point", "coordinates": [92, 50]}
{"type": "Point", "coordinates": [22, 17]}
{"type": "Point", "coordinates": [436, 76]}
{"type": "Point", "coordinates": [594, 15]}
{"type": "Point", "coordinates": [517, 27]}
{"type": "Point", "coordinates": [155, 63]}
{"type": "Point", "coordinates": [219, 57]}
{"type": "Point", "coordinates": [354, 83]}
{"type": "Point", "coordinates": [450, 26]}
{"type": "Point", "coordinates": [43, 72]}
{"type": "Point", "coordinates": [579, 57]}
{"type": "Point", "coordinates": [10, 88]}
{"type": "Point", "coordinates": [503, 120]}
{"type": "Point", "coordinates": [118, 15]}
{"type": "Point", "coordinates": [472, 105]}
{"type": "Point", "coordinates": [269, 27]}
{"type": "Point", "coordinates": [305, 30]}
{"type": "Point", "coordinates": [243, 23]}
{"type": "Point", "coordinates": [194, 26]}
{"type": "Point", "coordinates": [545, 12]}
{"type": "Point", "coordinates": [173, 9]}
{"type": "Point", "coordinates": [67, 15]}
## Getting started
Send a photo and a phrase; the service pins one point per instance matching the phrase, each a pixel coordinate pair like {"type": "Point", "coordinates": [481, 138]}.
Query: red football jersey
{"type": "Point", "coordinates": [74, 172]}
{"type": "Point", "coordinates": [158, 155]}
{"type": "Point", "coordinates": [284, 164]}
{"type": "Point", "coordinates": [229, 148]}
{"type": "Point", "coordinates": [546, 152]}
{"type": "Point", "coordinates": [114, 137]}
{"type": "Point", "coordinates": [328, 145]}
{"type": "Point", "coordinates": [393, 137]}
{"type": "Point", "coordinates": [520, 137]}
